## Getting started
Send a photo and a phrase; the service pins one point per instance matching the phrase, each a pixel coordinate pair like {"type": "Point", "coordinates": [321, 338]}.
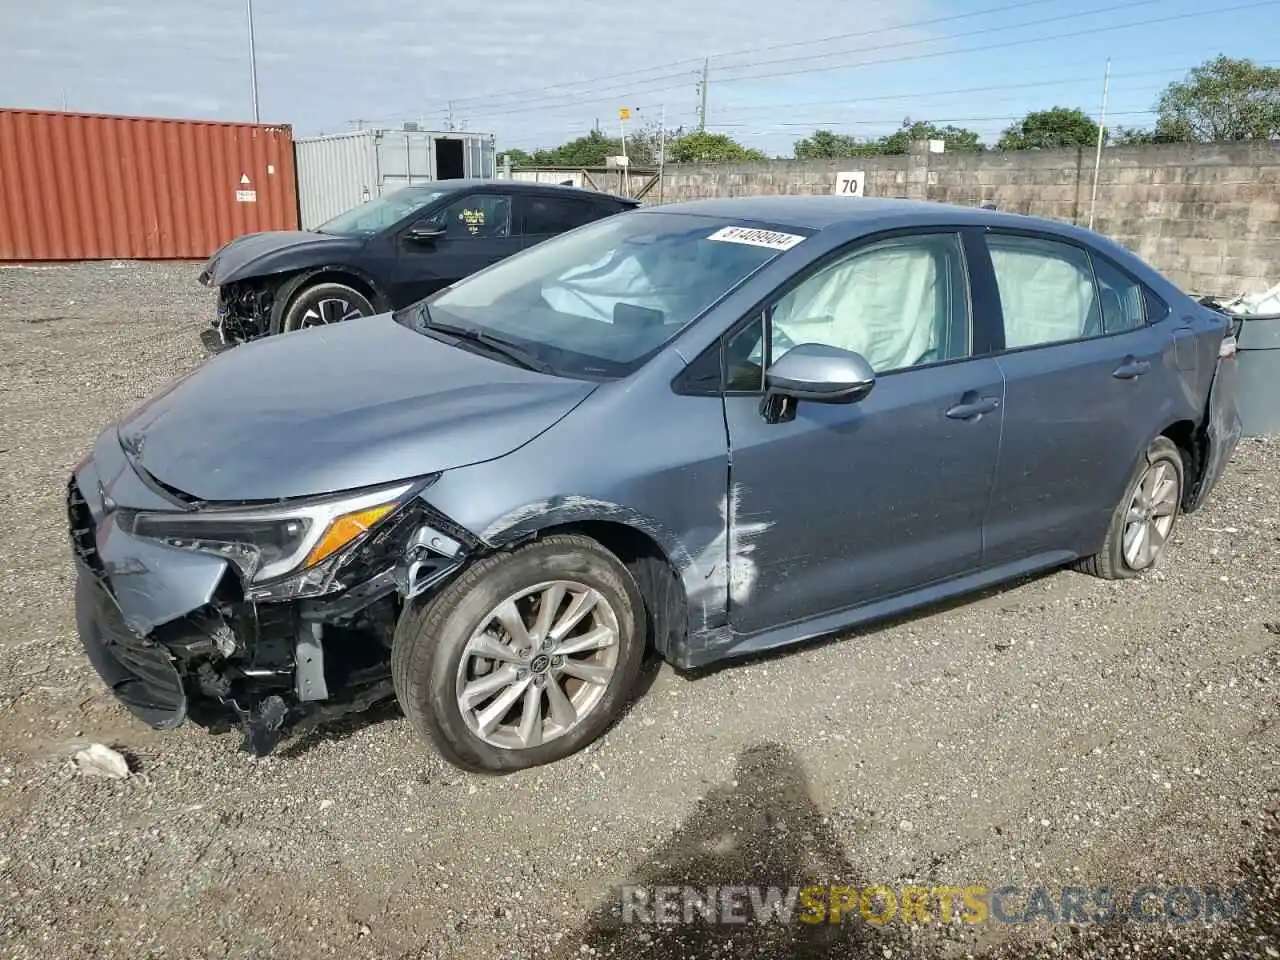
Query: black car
{"type": "Point", "coordinates": [387, 253]}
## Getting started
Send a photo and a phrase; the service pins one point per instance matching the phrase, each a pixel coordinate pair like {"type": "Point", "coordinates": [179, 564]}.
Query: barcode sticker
{"type": "Point", "coordinates": [757, 238]}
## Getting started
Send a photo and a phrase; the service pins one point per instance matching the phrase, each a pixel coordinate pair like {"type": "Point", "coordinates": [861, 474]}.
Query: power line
{"type": "Point", "coordinates": [736, 109]}
{"type": "Point", "coordinates": [601, 95]}
{"type": "Point", "coordinates": [612, 89]}
{"type": "Point", "coordinates": [1011, 84]}
{"type": "Point", "coordinates": [1057, 18]}
{"type": "Point", "coordinates": [1008, 43]}
{"type": "Point", "coordinates": [933, 21]}
{"type": "Point", "coordinates": [884, 121]}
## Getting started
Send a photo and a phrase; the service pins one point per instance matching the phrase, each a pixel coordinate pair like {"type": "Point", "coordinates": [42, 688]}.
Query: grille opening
{"type": "Point", "coordinates": [83, 539]}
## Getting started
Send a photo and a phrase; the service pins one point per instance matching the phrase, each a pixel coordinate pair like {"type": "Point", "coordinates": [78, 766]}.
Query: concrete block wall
{"type": "Point", "coordinates": [1207, 215]}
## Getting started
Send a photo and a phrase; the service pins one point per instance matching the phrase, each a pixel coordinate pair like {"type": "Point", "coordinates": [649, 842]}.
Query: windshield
{"type": "Point", "coordinates": [599, 301]}
{"type": "Point", "coordinates": [386, 211]}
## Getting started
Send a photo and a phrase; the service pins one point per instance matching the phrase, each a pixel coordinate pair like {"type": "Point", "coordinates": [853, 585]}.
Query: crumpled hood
{"type": "Point", "coordinates": [324, 409]}
{"type": "Point", "coordinates": [275, 251]}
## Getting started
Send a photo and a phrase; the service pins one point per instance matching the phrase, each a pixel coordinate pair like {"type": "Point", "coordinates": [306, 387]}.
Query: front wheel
{"type": "Point", "coordinates": [1143, 521]}
{"type": "Point", "coordinates": [525, 659]}
{"type": "Point", "coordinates": [325, 303]}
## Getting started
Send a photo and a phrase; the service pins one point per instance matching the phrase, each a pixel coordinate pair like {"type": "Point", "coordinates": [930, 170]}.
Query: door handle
{"type": "Point", "coordinates": [973, 409]}
{"type": "Point", "coordinates": [1131, 369]}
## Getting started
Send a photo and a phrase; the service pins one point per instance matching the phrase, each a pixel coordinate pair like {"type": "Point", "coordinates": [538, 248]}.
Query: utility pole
{"type": "Point", "coordinates": [358, 124]}
{"type": "Point", "coordinates": [1102, 126]}
{"type": "Point", "coordinates": [702, 110]}
{"type": "Point", "coordinates": [449, 120]}
{"type": "Point", "coordinates": [253, 60]}
{"type": "Point", "coordinates": [662, 150]}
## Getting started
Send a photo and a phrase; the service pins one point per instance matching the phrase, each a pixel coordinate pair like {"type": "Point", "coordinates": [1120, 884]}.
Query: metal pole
{"type": "Point", "coordinates": [662, 151]}
{"type": "Point", "coordinates": [702, 113]}
{"type": "Point", "coordinates": [253, 60]}
{"type": "Point", "coordinates": [624, 176]}
{"type": "Point", "coordinates": [1102, 126]}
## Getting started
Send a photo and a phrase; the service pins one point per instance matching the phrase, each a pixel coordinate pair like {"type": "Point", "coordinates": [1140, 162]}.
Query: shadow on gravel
{"type": "Point", "coordinates": [766, 831]}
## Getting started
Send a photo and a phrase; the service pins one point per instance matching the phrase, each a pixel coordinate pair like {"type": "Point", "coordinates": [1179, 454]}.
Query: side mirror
{"type": "Point", "coordinates": [821, 374]}
{"type": "Point", "coordinates": [426, 230]}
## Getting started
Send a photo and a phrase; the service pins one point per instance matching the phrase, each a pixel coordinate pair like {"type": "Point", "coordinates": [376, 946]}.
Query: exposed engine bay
{"type": "Point", "coordinates": [243, 312]}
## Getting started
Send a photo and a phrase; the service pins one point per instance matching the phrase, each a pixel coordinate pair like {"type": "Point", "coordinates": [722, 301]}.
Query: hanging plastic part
{"type": "Point", "coordinates": [429, 558]}
{"type": "Point", "coordinates": [1227, 349]}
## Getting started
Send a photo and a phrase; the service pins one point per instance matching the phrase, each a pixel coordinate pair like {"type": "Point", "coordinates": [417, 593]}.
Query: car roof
{"type": "Point", "coordinates": [527, 186]}
{"type": "Point", "coordinates": [822, 212]}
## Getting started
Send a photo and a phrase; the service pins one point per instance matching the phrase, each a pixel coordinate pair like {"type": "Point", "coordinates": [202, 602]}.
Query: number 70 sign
{"type": "Point", "coordinates": [850, 184]}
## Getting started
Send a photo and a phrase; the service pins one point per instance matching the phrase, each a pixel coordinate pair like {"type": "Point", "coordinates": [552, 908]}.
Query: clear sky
{"type": "Point", "coordinates": [538, 72]}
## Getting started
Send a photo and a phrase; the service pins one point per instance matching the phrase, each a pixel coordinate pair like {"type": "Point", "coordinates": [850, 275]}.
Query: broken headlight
{"type": "Point", "coordinates": [270, 542]}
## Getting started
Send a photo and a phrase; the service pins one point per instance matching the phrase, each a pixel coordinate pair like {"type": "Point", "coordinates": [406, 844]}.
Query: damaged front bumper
{"type": "Point", "coordinates": [178, 633]}
{"type": "Point", "coordinates": [243, 313]}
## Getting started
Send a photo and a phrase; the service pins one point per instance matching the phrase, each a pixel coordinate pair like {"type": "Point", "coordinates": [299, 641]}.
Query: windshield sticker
{"type": "Point", "coordinates": [757, 238]}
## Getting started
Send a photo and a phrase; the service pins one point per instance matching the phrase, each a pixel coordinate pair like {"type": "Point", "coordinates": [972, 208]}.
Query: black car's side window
{"type": "Point", "coordinates": [550, 215]}
{"type": "Point", "coordinates": [1056, 292]}
{"type": "Point", "coordinates": [479, 216]}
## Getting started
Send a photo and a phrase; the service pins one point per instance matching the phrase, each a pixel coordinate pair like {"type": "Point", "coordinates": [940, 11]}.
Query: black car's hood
{"type": "Point", "coordinates": [276, 251]}
{"type": "Point", "coordinates": [324, 409]}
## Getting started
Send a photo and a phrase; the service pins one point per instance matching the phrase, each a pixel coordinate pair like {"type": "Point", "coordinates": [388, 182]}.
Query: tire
{"type": "Point", "coordinates": [1161, 460]}
{"type": "Point", "coordinates": [336, 301]}
{"type": "Point", "coordinates": [431, 673]}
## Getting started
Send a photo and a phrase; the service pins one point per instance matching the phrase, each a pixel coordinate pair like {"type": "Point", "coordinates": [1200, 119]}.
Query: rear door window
{"type": "Point", "coordinates": [552, 215]}
{"type": "Point", "coordinates": [1046, 290]}
{"type": "Point", "coordinates": [1122, 300]}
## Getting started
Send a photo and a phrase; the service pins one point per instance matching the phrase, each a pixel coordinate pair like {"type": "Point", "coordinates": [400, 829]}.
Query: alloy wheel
{"type": "Point", "coordinates": [1150, 515]}
{"type": "Point", "coordinates": [330, 310]}
{"type": "Point", "coordinates": [538, 664]}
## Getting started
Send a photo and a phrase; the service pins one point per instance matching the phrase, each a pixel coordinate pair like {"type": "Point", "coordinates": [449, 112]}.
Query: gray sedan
{"type": "Point", "coordinates": [701, 430]}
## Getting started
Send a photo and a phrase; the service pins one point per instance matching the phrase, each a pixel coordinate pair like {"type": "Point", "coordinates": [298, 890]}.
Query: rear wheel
{"type": "Point", "coordinates": [526, 658]}
{"type": "Point", "coordinates": [325, 303]}
{"type": "Point", "coordinates": [1143, 521]}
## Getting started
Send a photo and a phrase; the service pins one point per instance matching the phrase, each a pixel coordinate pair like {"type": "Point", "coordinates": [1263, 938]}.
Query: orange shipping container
{"type": "Point", "coordinates": [89, 187]}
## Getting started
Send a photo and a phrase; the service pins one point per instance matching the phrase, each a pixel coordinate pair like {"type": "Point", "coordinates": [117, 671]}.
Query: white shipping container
{"type": "Point", "coordinates": [339, 171]}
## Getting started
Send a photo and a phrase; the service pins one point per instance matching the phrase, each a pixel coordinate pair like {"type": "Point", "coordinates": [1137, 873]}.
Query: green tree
{"type": "Point", "coordinates": [1222, 99]}
{"type": "Point", "coordinates": [827, 145]}
{"type": "Point", "coordinates": [587, 151]}
{"type": "Point", "coordinates": [957, 139]}
{"type": "Point", "coordinates": [643, 147]}
{"type": "Point", "coordinates": [703, 147]}
{"type": "Point", "coordinates": [1050, 129]}
{"type": "Point", "coordinates": [646, 144]}
{"type": "Point", "coordinates": [517, 157]}
{"type": "Point", "coordinates": [1131, 137]}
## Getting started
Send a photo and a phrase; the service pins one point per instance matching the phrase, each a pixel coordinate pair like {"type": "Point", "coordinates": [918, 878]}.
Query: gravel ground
{"type": "Point", "coordinates": [1063, 731]}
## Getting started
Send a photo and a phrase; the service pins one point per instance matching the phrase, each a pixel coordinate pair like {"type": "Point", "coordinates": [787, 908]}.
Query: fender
{"type": "Point", "coordinates": [697, 557]}
{"type": "Point", "coordinates": [286, 291]}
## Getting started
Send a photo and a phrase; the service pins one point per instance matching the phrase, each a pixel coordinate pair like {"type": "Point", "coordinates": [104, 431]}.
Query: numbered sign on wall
{"type": "Point", "coordinates": [850, 184]}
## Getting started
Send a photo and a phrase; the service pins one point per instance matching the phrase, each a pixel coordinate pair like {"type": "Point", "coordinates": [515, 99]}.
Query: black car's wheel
{"type": "Point", "coordinates": [525, 659]}
{"type": "Point", "coordinates": [323, 303]}
{"type": "Point", "coordinates": [1143, 521]}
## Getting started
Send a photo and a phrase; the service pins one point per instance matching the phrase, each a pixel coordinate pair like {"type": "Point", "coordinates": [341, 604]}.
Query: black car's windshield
{"type": "Point", "coordinates": [386, 211]}
{"type": "Point", "coordinates": [598, 302]}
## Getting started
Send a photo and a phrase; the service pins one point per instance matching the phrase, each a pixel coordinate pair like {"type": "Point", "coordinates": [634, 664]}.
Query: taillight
{"type": "Point", "coordinates": [1227, 349]}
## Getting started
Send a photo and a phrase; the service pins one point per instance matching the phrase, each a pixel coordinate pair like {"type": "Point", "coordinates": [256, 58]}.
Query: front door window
{"type": "Point", "coordinates": [481, 216]}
